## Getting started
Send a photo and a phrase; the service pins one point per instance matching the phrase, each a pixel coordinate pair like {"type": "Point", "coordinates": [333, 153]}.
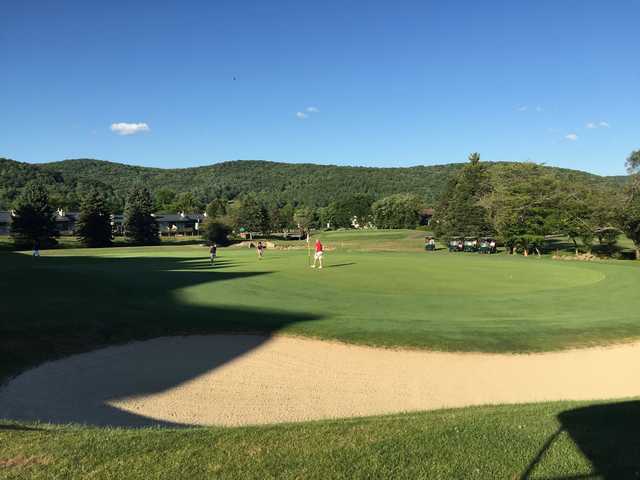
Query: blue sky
{"type": "Point", "coordinates": [375, 83]}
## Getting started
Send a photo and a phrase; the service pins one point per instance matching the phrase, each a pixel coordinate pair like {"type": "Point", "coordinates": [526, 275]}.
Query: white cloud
{"type": "Point", "coordinates": [124, 128]}
{"type": "Point", "coordinates": [312, 109]}
{"type": "Point", "coordinates": [571, 136]}
{"type": "Point", "coordinates": [598, 125]}
{"type": "Point", "coordinates": [522, 108]}
{"type": "Point", "coordinates": [301, 115]}
{"type": "Point", "coordinates": [539, 108]}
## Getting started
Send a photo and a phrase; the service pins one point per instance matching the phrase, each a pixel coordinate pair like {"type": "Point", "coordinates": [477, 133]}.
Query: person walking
{"type": "Point", "coordinates": [317, 258]}
{"type": "Point", "coordinates": [260, 249]}
{"type": "Point", "coordinates": [36, 248]}
{"type": "Point", "coordinates": [213, 251]}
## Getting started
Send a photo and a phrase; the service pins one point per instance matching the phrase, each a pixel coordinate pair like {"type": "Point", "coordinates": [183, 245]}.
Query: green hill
{"type": "Point", "coordinates": [309, 184]}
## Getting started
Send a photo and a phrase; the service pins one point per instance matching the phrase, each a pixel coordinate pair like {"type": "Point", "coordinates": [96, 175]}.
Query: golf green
{"type": "Point", "coordinates": [74, 300]}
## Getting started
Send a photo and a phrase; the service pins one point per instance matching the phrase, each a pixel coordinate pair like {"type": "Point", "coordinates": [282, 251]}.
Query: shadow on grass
{"type": "Point", "coordinates": [607, 435]}
{"type": "Point", "coordinates": [59, 306]}
{"type": "Point", "coordinates": [336, 265]}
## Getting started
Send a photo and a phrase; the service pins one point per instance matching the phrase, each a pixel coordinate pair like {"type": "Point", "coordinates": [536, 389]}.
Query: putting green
{"type": "Point", "coordinates": [464, 302]}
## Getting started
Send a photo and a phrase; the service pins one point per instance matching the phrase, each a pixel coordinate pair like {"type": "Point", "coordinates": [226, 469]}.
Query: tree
{"type": "Point", "coordinates": [186, 202]}
{"type": "Point", "coordinates": [165, 199]}
{"type": "Point", "coordinates": [304, 218]}
{"type": "Point", "coordinates": [33, 221]}
{"type": "Point", "coordinates": [397, 211]}
{"type": "Point", "coordinates": [629, 216]}
{"type": "Point", "coordinates": [341, 212]}
{"type": "Point", "coordinates": [281, 217]}
{"type": "Point", "coordinates": [215, 231]}
{"type": "Point", "coordinates": [216, 208]}
{"type": "Point", "coordinates": [139, 224]}
{"type": "Point", "coordinates": [522, 205]}
{"type": "Point", "coordinates": [633, 162]}
{"type": "Point", "coordinates": [94, 224]}
{"type": "Point", "coordinates": [250, 214]}
{"type": "Point", "coordinates": [460, 211]}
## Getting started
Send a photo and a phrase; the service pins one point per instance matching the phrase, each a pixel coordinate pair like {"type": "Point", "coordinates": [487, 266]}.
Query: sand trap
{"type": "Point", "coordinates": [247, 379]}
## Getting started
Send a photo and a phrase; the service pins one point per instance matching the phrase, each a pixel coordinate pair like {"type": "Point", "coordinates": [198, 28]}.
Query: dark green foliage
{"type": "Point", "coordinates": [251, 214]}
{"type": "Point", "coordinates": [341, 212]}
{"type": "Point", "coordinates": [304, 219]}
{"type": "Point", "coordinates": [186, 202]}
{"type": "Point", "coordinates": [140, 226]}
{"type": "Point", "coordinates": [33, 222]}
{"type": "Point", "coordinates": [281, 217]}
{"type": "Point", "coordinates": [524, 202]}
{"type": "Point", "coordinates": [276, 183]}
{"type": "Point", "coordinates": [629, 216]}
{"type": "Point", "coordinates": [215, 231]}
{"type": "Point", "coordinates": [94, 224]}
{"type": "Point", "coordinates": [633, 162]}
{"type": "Point", "coordinates": [460, 211]}
{"type": "Point", "coordinates": [397, 211]}
{"type": "Point", "coordinates": [165, 198]}
{"type": "Point", "coordinates": [216, 208]}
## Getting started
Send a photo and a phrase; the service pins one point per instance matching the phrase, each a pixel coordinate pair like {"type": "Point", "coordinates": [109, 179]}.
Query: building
{"type": "Point", "coordinates": [5, 222]}
{"type": "Point", "coordinates": [66, 222]}
{"type": "Point", "coordinates": [179, 224]}
{"type": "Point", "coordinates": [169, 224]}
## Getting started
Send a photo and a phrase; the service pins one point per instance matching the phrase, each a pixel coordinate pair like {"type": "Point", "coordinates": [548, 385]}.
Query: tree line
{"type": "Point", "coordinates": [518, 203]}
{"type": "Point", "coordinates": [523, 203]}
{"type": "Point", "coordinates": [34, 216]}
{"type": "Point", "coordinates": [192, 189]}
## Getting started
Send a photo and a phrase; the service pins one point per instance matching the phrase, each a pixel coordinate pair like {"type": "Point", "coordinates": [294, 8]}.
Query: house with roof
{"type": "Point", "coordinates": [66, 222]}
{"type": "Point", "coordinates": [5, 222]}
{"type": "Point", "coordinates": [179, 224]}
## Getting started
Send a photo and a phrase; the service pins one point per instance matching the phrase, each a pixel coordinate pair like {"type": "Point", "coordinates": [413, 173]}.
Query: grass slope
{"type": "Point", "coordinates": [559, 440]}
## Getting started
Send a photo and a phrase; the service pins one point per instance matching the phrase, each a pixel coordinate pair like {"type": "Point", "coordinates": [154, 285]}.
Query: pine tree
{"type": "Point", "coordinates": [94, 225]}
{"type": "Point", "coordinates": [460, 211]}
{"type": "Point", "coordinates": [139, 225]}
{"type": "Point", "coordinates": [33, 222]}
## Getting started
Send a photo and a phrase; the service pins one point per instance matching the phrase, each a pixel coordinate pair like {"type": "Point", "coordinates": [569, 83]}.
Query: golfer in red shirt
{"type": "Point", "coordinates": [317, 258]}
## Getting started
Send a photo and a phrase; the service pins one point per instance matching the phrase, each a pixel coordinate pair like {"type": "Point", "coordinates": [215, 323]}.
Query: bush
{"type": "Point", "coordinates": [214, 231]}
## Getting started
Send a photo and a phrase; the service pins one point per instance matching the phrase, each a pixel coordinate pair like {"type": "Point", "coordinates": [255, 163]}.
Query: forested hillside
{"type": "Point", "coordinates": [279, 183]}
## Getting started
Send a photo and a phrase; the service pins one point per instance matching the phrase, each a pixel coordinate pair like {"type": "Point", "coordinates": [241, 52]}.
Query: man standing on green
{"type": "Point", "coordinates": [318, 255]}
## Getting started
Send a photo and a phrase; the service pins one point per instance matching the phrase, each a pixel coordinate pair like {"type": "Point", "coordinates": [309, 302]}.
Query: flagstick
{"type": "Point", "coordinates": [308, 252]}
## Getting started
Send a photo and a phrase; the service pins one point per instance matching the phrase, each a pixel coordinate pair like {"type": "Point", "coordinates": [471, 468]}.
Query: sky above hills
{"type": "Point", "coordinates": [378, 83]}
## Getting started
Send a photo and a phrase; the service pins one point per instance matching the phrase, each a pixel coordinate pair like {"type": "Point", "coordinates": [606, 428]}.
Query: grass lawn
{"type": "Point", "coordinates": [378, 288]}
{"type": "Point", "coordinates": [77, 299]}
{"type": "Point", "coordinates": [564, 440]}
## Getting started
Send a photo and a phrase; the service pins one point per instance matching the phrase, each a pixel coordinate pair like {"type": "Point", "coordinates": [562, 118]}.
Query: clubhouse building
{"type": "Point", "coordinates": [168, 224]}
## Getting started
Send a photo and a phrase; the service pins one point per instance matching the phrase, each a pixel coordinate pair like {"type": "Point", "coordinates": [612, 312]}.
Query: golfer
{"type": "Point", "coordinates": [212, 252]}
{"type": "Point", "coordinates": [317, 258]}
{"type": "Point", "coordinates": [36, 248]}
{"type": "Point", "coordinates": [260, 249]}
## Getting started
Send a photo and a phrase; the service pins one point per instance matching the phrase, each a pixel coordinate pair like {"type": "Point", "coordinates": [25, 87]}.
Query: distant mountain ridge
{"type": "Point", "coordinates": [308, 184]}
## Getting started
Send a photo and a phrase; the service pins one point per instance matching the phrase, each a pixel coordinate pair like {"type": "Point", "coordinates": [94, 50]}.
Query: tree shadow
{"type": "Point", "coordinates": [608, 435]}
{"type": "Point", "coordinates": [61, 306]}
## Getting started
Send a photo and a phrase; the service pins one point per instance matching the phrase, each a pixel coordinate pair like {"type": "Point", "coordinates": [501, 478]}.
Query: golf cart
{"type": "Point", "coordinates": [429, 244]}
{"type": "Point", "coordinates": [455, 244]}
{"type": "Point", "coordinates": [487, 245]}
{"type": "Point", "coordinates": [470, 244]}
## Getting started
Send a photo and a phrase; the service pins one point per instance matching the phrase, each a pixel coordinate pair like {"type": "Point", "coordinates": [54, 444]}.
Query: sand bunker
{"type": "Point", "coordinates": [248, 379]}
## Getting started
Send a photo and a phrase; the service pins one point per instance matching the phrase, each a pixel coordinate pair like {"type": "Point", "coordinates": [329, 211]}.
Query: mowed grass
{"type": "Point", "coordinates": [379, 289]}
{"type": "Point", "coordinates": [77, 299]}
{"type": "Point", "coordinates": [559, 440]}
